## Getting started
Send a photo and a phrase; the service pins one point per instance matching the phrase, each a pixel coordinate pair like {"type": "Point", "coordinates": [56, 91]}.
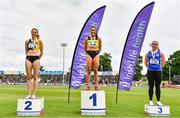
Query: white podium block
{"type": "Point", "coordinates": [157, 110]}
{"type": "Point", "coordinates": [93, 102]}
{"type": "Point", "coordinates": [30, 107]}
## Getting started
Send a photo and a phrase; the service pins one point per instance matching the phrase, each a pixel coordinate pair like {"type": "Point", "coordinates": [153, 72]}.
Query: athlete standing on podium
{"type": "Point", "coordinates": [34, 52]}
{"type": "Point", "coordinates": [154, 61]}
{"type": "Point", "coordinates": [92, 48]}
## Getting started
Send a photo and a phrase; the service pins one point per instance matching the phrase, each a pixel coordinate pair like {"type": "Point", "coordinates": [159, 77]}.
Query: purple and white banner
{"type": "Point", "coordinates": [78, 68]}
{"type": "Point", "coordinates": [132, 47]}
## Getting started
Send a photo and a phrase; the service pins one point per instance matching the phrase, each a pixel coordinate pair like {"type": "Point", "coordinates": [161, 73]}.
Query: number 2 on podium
{"type": "Point", "coordinates": [28, 107]}
{"type": "Point", "coordinates": [93, 96]}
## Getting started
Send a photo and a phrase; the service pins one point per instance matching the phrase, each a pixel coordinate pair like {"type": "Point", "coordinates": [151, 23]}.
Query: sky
{"type": "Point", "coordinates": [60, 21]}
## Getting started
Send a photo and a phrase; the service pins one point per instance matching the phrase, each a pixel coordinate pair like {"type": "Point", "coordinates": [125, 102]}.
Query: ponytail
{"type": "Point", "coordinates": [38, 36]}
{"type": "Point", "coordinates": [96, 36]}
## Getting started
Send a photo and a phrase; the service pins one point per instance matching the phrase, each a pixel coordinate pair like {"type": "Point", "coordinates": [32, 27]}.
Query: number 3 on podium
{"type": "Point", "coordinates": [93, 96]}
{"type": "Point", "coordinates": [160, 110]}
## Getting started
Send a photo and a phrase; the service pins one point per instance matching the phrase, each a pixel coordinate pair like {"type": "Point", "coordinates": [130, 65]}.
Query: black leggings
{"type": "Point", "coordinates": [154, 77]}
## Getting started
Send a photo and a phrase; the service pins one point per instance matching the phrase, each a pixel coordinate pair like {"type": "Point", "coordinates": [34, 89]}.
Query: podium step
{"type": "Point", "coordinates": [93, 102]}
{"type": "Point", "coordinates": [30, 107]}
{"type": "Point", "coordinates": [157, 110]}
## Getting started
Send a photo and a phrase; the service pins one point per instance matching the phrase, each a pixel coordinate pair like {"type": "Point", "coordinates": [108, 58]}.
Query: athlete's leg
{"type": "Point", "coordinates": [28, 66]}
{"type": "Point", "coordinates": [157, 84]}
{"type": "Point", "coordinates": [36, 65]}
{"type": "Point", "coordinates": [88, 74]}
{"type": "Point", "coordinates": [151, 84]}
{"type": "Point", "coordinates": [95, 67]}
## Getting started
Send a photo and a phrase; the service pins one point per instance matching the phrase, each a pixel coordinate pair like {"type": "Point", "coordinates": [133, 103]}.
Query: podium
{"type": "Point", "coordinates": [157, 110]}
{"type": "Point", "coordinates": [93, 102]}
{"type": "Point", "coordinates": [30, 107]}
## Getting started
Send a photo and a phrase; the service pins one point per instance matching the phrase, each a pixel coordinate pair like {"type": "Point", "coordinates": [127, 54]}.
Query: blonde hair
{"type": "Point", "coordinates": [156, 42]}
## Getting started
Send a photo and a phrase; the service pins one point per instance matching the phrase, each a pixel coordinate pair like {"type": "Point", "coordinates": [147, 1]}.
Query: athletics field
{"type": "Point", "coordinates": [130, 104]}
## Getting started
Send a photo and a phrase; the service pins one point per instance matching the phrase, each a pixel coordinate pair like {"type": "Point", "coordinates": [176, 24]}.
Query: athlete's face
{"type": "Point", "coordinates": [34, 33]}
{"type": "Point", "coordinates": [154, 45]}
{"type": "Point", "coordinates": [93, 31]}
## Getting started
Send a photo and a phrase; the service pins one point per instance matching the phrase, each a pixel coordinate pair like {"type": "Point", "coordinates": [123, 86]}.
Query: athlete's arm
{"type": "Point", "coordinates": [100, 44]}
{"type": "Point", "coordinates": [146, 60]}
{"type": "Point", "coordinates": [85, 45]}
{"type": "Point", "coordinates": [163, 59]}
{"type": "Point", "coordinates": [41, 49]}
{"type": "Point", "coordinates": [26, 49]}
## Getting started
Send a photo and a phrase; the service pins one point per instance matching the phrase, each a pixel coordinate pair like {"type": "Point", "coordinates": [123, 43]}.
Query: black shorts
{"type": "Point", "coordinates": [92, 54]}
{"type": "Point", "coordinates": [32, 58]}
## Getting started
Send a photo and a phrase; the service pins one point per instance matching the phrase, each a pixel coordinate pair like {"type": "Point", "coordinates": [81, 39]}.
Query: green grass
{"type": "Point", "coordinates": [130, 104]}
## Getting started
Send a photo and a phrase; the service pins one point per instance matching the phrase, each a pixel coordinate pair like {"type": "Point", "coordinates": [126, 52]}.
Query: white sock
{"type": "Point", "coordinates": [33, 96]}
